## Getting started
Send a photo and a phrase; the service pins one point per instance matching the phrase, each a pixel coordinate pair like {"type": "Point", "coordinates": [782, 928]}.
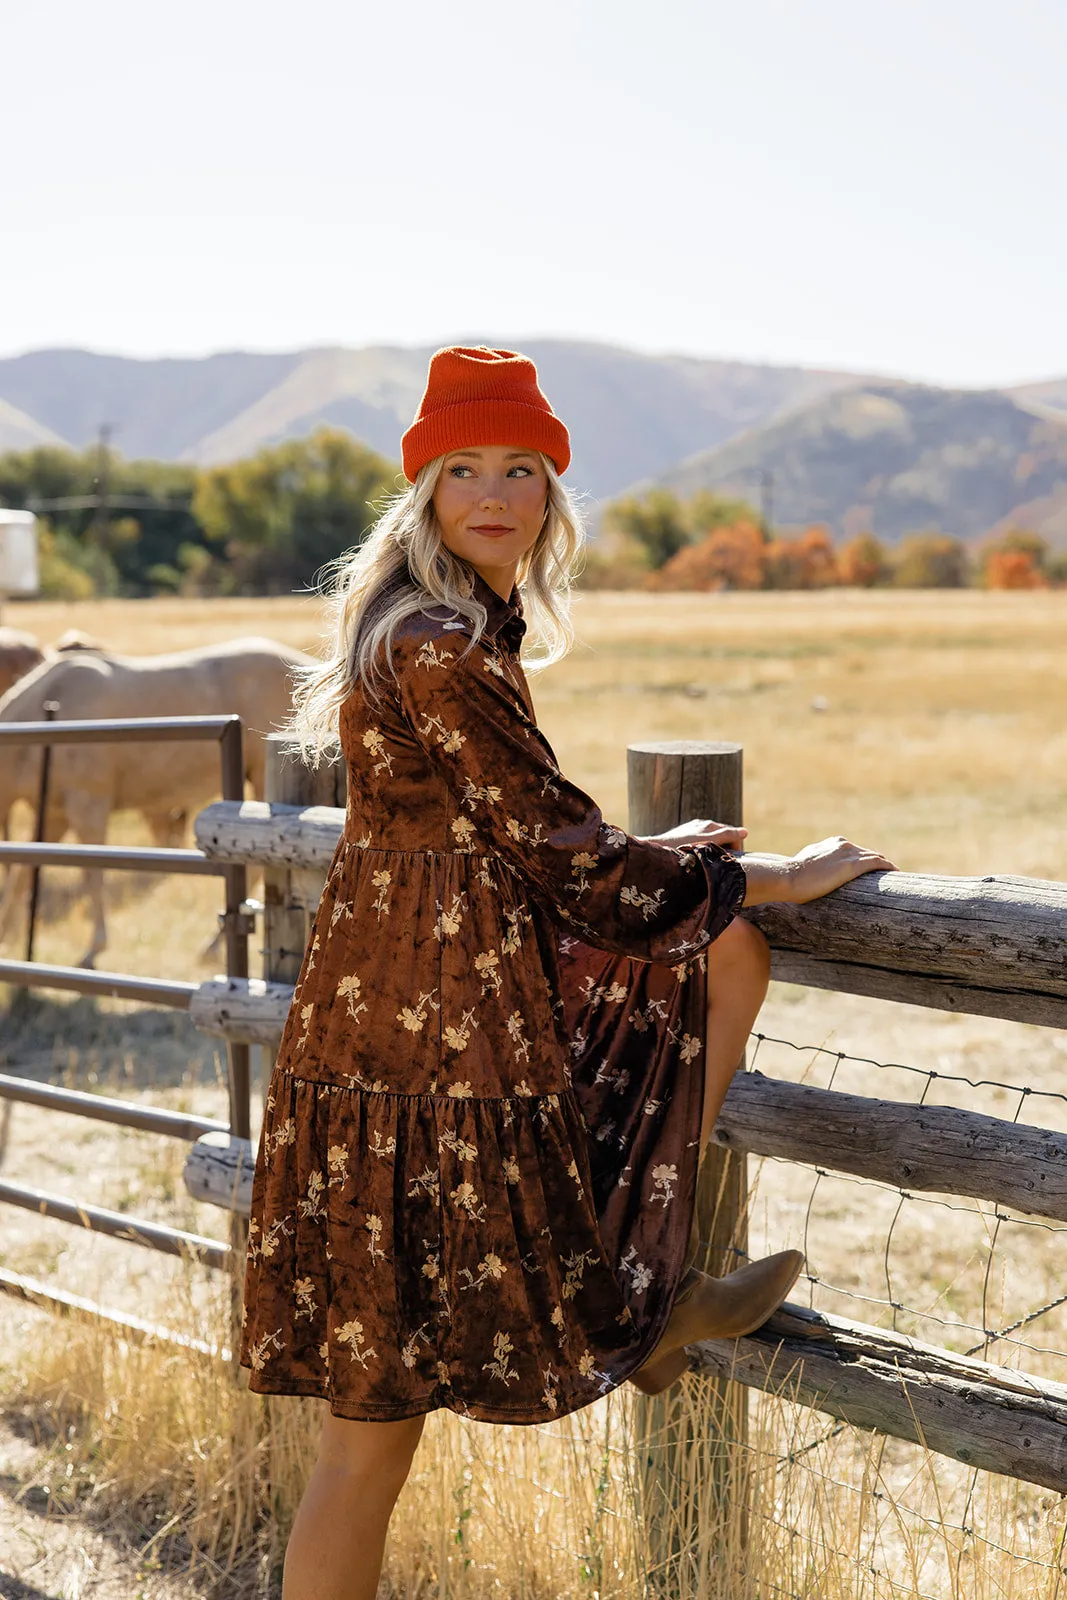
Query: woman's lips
{"type": "Point", "coordinates": [496, 528]}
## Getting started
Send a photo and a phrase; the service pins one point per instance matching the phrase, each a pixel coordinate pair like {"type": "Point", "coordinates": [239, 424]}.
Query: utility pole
{"type": "Point", "coordinates": [101, 490]}
{"type": "Point", "coordinates": [766, 501]}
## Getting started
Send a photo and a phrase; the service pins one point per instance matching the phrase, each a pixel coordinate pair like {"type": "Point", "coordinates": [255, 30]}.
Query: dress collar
{"type": "Point", "coordinates": [504, 618]}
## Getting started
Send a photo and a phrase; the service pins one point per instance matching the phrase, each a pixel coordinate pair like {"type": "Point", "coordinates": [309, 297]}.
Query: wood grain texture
{"type": "Point", "coordinates": [218, 1169]}
{"type": "Point", "coordinates": [935, 1149]}
{"type": "Point", "coordinates": [242, 1008]}
{"type": "Point", "coordinates": [270, 834]}
{"type": "Point", "coordinates": [986, 1416]}
{"type": "Point", "coordinates": [994, 944]}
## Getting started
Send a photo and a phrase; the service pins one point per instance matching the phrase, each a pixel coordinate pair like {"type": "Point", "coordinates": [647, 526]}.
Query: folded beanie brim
{"type": "Point", "coordinates": [483, 397]}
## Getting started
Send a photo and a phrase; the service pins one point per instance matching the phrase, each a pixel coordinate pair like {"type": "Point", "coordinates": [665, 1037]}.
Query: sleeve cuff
{"type": "Point", "coordinates": [726, 886]}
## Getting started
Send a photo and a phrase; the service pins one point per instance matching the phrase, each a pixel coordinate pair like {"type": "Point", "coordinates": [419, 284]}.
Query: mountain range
{"type": "Point", "coordinates": [838, 447]}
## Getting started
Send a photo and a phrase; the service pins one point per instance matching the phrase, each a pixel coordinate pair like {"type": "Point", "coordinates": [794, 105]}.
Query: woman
{"type": "Point", "coordinates": [515, 1023]}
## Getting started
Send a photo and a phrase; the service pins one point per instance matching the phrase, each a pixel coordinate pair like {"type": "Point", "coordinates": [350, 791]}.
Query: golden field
{"type": "Point", "coordinates": [930, 724]}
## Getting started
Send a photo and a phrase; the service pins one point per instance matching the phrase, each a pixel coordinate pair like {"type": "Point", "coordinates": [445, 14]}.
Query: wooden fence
{"type": "Point", "coordinates": [995, 946]}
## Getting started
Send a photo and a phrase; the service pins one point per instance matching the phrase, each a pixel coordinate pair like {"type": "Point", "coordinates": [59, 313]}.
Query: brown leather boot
{"type": "Point", "coordinates": [717, 1308]}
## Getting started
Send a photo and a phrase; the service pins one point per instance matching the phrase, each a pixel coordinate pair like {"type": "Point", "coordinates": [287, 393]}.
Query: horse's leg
{"type": "Point", "coordinates": [87, 815]}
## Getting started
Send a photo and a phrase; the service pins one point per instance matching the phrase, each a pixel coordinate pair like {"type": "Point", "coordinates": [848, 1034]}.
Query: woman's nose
{"type": "Point", "coordinates": [494, 494]}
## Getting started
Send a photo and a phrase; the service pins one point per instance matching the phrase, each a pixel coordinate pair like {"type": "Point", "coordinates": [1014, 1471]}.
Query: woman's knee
{"type": "Point", "coordinates": [740, 951]}
{"type": "Point", "coordinates": [379, 1451]}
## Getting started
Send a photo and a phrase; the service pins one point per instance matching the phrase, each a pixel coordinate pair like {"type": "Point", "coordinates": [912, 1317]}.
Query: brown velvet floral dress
{"type": "Point", "coordinates": [477, 1167]}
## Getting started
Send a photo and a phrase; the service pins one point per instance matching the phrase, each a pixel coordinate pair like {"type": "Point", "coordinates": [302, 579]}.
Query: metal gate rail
{"type": "Point", "coordinates": [236, 922]}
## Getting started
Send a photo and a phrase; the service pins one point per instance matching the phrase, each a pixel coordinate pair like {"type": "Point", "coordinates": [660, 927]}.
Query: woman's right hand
{"type": "Point", "coordinates": [821, 868]}
{"type": "Point", "coordinates": [815, 871]}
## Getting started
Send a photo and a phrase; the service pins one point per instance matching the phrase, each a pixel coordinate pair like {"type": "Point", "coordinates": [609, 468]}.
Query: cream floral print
{"type": "Point", "coordinates": [449, 738]}
{"type": "Point", "coordinates": [489, 1270]}
{"type": "Point", "coordinates": [337, 1162]}
{"type": "Point", "coordinates": [373, 741]}
{"type": "Point", "coordinates": [312, 1205]}
{"type": "Point", "coordinates": [664, 1177]}
{"type": "Point", "coordinates": [305, 1022]}
{"type": "Point", "coordinates": [349, 991]}
{"type": "Point", "coordinates": [465, 1199]}
{"type": "Point", "coordinates": [498, 1367]}
{"type": "Point", "coordinates": [382, 1148]}
{"type": "Point", "coordinates": [449, 922]}
{"type": "Point", "coordinates": [481, 794]}
{"type": "Point", "coordinates": [374, 1228]}
{"type": "Point", "coordinates": [498, 1030]}
{"type": "Point", "coordinates": [381, 881]}
{"type": "Point", "coordinates": [429, 656]}
{"type": "Point", "coordinates": [648, 904]}
{"type": "Point", "coordinates": [409, 1349]}
{"type": "Point", "coordinates": [351, 1334]}
{"type": "Point", "coordinates": [463, 1148]}
{"type": "Point", "coordinates": [414, 1017]}
{"type": "Point", "coordinates": [457, 1038]}
{"type": "Point", "coordinates": [487, 966]}
{"type": "Point", "coordinates": [304, 1295]}
{"type": "Point", "coordinates": [515, 1027]}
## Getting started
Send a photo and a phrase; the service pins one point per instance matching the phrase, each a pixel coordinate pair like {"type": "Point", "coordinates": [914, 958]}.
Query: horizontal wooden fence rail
{"type": "Point", "coordinates": [269, 834]}
{"type": "Point", "coordinates": [242, 1008]}
{"type": "Point", "coordinates": [986, 1416]}
{"type": "Point", "coordinates": [993, 946]}
{"type": "Point", "coordinates": [936, 1149]}
{"type": "Point", "coordinates": [996, 946]}
{"type": "Point", "coordinates": [929, 1149]}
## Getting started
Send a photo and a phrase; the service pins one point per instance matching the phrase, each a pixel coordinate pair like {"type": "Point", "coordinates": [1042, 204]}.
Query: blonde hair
{"type": "Point", "coordinates": [401, 568]}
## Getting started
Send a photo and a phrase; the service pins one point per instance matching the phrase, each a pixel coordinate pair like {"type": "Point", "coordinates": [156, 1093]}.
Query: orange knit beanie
{"type": "Point", "coordinates": [482, 397]}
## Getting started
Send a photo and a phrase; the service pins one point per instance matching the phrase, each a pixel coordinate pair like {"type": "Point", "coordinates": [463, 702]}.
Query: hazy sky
{"type": "Point", "coordinates": [872, 184]}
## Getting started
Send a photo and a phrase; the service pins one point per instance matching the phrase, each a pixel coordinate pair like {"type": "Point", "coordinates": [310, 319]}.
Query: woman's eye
{"type": "Point", "coordinates": [458, 470]}
{"type": "Point", "coordinates": [526, 471]}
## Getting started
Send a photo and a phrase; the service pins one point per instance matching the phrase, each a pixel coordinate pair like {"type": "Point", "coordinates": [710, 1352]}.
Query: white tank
{"type": "Point", "coordinates": [18, 553]}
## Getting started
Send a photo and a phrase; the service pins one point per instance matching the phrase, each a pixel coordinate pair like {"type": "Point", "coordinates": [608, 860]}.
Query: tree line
{"type": "Point", "coordinates": [710, 542]}
{"type": "Point", "coordinates": [263, 525]}
{"type": "Point", "coordinates": [269, 523]}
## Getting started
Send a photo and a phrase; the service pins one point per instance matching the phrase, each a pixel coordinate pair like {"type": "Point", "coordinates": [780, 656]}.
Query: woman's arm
{"type": "Point", "coordinates": [815, 871]}
{"type": "Point", "coordinates": [656, 901]}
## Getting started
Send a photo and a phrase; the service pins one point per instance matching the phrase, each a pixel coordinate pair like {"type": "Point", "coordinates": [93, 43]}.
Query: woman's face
{"type": "Point", "coordinates": [490, 505]}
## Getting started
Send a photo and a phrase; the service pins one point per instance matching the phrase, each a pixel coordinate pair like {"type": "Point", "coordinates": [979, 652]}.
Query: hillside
{"type": "Point", "coordinates": [20, 432]}
{"type": "Point", "coordinates": [899, 457]}
{"type": "Point", "coordinates": [631, 415]}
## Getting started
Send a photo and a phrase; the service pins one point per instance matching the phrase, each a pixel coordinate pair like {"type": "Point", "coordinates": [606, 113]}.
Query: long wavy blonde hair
{"type": "Point", "coordinates": [401, 568]}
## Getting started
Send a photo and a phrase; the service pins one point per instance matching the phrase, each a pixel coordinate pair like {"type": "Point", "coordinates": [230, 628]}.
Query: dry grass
{"type": "Point", "coordinates": [930, 724]}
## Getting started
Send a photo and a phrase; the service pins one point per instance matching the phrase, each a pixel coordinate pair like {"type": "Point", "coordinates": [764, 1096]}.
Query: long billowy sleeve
{"type": "Point", "coordinates": [653, 901]}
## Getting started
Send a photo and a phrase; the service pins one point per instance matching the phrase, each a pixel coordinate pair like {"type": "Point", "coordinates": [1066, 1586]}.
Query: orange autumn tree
{"type": "Point", "coordinates": [862, 562]}
{"type": "Point", "coordinates": [1017, 560]}
{"type": "Point", "coordinates": [730, 557]}
{"type": "Point", "coordinates": [807, 562]}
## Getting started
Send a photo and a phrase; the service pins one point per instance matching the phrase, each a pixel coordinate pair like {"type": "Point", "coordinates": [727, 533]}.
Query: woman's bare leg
{"type": "Point", "coordinates": [739, 969]}
{"type": "Point", "coordinates": [338, 1539]}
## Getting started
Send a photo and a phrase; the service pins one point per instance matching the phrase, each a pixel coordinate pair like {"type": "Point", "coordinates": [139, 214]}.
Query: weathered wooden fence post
{"type": "Point", "coordinates": [670, 782]}
{"type": "Point", "coordinates": [291, 894]}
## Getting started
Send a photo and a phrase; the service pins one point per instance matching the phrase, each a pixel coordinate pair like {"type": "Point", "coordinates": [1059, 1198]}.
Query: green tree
{"type": "Point", "coordinates": [129, 545]}
{"type": "Point", "coordinates": [706, 512]}
{"type": "Point", "coordinates": [280, 515]}
{"type": "Point", "coordinates": [931, 561]}
{"type": "Point", "coordinates": [656, 525]}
